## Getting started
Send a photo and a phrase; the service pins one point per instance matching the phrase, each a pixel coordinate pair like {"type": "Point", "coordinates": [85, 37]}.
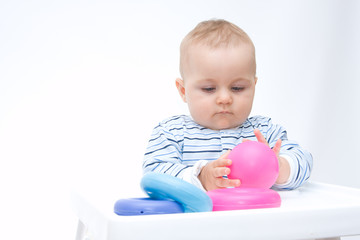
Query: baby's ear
{"type": "Point", "coordinates": [181, 88]}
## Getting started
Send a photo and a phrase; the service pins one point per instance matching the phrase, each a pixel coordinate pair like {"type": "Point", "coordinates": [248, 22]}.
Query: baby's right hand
{"type": "Point", "coordinates": [211, 175]}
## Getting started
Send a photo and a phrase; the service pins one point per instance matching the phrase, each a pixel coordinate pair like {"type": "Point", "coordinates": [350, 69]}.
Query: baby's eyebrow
{"type": "Point", "coordinates": [241, 80]}
{"type": "Point", "coordinates": [236, 80]}
{"type": "Point", "coordinates": [207, 80]}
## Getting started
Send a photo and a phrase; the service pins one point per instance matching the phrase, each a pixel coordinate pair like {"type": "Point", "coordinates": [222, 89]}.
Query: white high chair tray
{"type": "Point", "coordinates": [315, 210]}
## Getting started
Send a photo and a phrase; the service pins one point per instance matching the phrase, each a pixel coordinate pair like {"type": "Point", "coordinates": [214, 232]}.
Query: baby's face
{"type": "Point", "coordinates": [219, 85]}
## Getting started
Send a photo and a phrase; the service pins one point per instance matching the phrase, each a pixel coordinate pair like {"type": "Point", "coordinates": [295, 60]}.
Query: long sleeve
{"type": "Point", "coordinates": [300, 160]}
{"type": "Point", "coordinates": [164, 151]}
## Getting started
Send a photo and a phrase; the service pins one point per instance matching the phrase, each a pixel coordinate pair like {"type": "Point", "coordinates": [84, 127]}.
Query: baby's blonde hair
{"type": "Point", "coordinates": [214, 33]}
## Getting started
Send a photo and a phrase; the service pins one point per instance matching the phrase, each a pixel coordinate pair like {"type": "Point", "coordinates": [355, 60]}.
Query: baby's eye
{"type": "Point", "coordinates": [209, 89]}
{"type": "Point", "coordinates": [237, 89]}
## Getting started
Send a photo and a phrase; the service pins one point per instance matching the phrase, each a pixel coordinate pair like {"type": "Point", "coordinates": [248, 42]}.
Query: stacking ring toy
{"type": "Point", "coordinates": [146, 206]}
{"type": "Point", "coordinates": [244, 198]}
{"type": "Point", "coordinates": [164, 186]}
{"type": "Point", "coordinates": [255, 164]}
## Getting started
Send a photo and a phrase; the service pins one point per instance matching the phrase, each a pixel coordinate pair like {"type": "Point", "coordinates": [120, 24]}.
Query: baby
{"type": "Point", "coordinates": [218, 79]}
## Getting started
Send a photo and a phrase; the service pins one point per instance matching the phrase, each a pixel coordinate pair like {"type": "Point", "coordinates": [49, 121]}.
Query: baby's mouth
{"type": "Point", "coordinates": [224, 112]}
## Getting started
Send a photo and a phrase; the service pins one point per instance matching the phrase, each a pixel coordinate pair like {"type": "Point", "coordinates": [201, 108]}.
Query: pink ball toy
{"type": "Point", "coordinates": [255, 164]}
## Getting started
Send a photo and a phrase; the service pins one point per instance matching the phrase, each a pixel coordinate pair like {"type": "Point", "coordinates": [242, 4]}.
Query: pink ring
{"type": "Point", "coordinates": [243, 198]}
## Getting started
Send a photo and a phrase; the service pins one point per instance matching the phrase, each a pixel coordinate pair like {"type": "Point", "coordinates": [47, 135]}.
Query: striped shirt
{"type": "Point", "coordinates": [177, 143]}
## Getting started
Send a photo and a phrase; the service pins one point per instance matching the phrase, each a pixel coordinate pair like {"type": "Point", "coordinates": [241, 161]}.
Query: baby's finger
{"type": "Point", "coordinates": [277, 147]}
{"type": "Point", "coordinates": [221, 182]}
{"type": "Point", "coordinates": [221, 163]}
{"type": "Point", "coordinates": [224, 183]}
{"type": "Point", "coordinates": [221, 171]}
{"type": "Point", "coordinates": [234, 182]}
{"type": "Point", "coordinates": [259, 136]}
{"type": "Point", "coordinates": [224, 156]}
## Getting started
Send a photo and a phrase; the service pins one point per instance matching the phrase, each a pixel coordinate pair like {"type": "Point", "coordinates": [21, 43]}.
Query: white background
{"type": "Point", "coordinates": [82, 84]}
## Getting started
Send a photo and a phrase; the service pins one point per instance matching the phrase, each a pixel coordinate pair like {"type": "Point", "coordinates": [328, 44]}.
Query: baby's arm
{"type": "Point", "coordinates": [284, 166]}
{"type": "Point", "coordinates": [293, 159]}
{"type": "Point", "coordinates": [211, 175]}
{"type": "Point", "coordinates": [164, 153]}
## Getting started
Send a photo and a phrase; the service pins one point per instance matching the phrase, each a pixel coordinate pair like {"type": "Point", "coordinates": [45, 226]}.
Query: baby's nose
{"type": "Point", "coordinates": [224, 97]}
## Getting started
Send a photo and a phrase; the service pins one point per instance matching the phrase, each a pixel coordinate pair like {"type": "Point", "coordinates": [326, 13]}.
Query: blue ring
{"type": "Point", "coordinates": [146, 206]}
{"type": "Point", "coordinates": [164, 186]}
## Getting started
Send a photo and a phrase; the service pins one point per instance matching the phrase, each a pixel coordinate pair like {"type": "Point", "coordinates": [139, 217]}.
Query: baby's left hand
{"type": "Point", "coordinates": [284, 167]}
{"type": "Point", "coordinates": [262, 139]}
